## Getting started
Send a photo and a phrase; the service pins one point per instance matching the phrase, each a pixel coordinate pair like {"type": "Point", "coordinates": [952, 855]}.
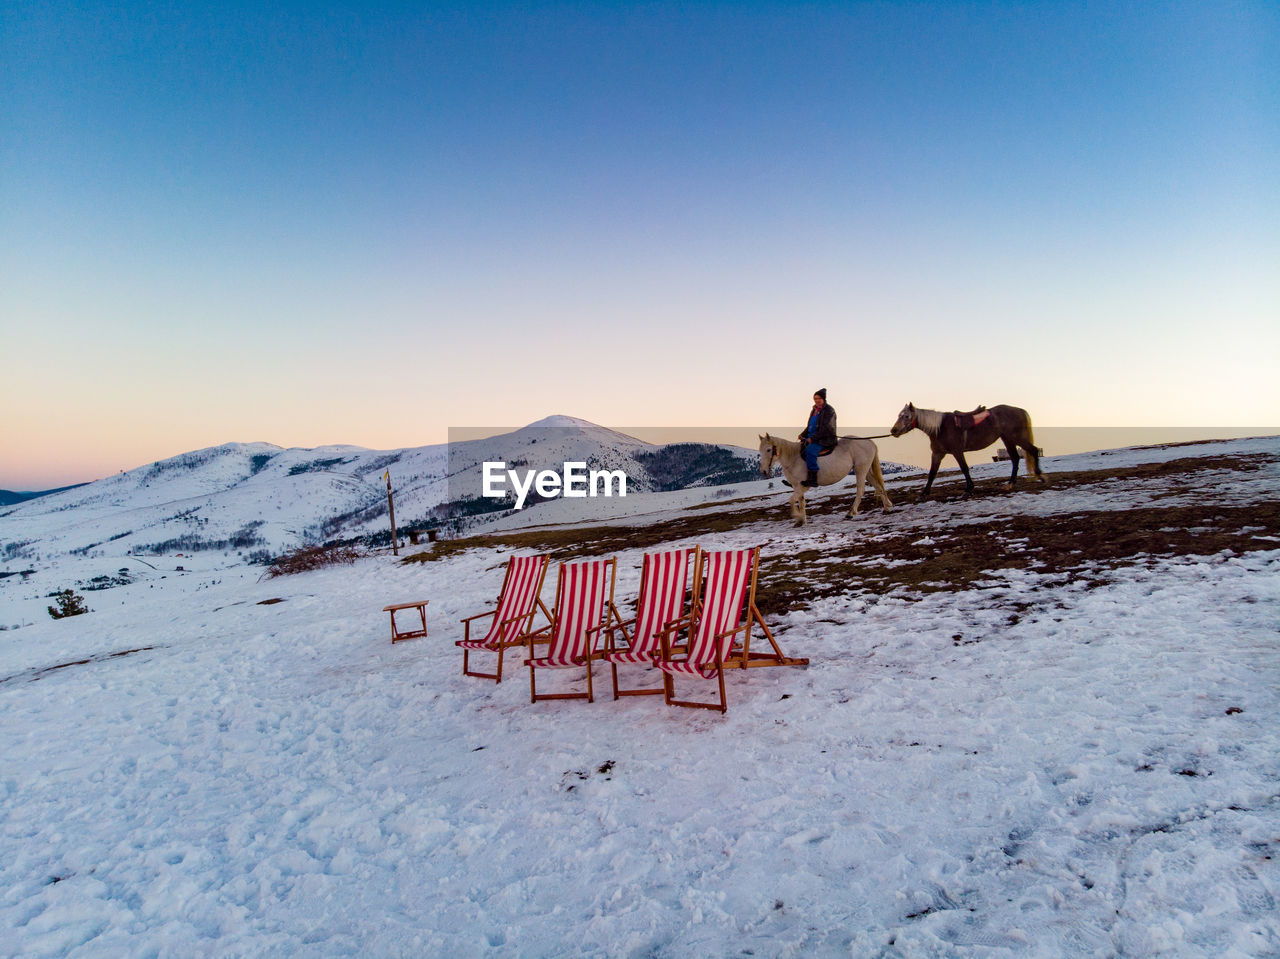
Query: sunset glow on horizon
{"type": "Point", "coordinates": [344, 224]}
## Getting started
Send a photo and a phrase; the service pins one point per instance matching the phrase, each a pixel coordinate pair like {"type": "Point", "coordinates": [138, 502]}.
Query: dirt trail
{"type": "Point", "coordinates": [878, 553]}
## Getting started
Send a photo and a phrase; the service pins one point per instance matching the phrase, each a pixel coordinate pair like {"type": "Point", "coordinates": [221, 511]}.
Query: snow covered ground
{"type": "Point", "coordinates": [214, 765]}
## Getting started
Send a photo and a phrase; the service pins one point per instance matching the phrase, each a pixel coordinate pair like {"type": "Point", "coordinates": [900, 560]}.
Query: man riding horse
{"type": "Point", "coordinates": [818, 435]}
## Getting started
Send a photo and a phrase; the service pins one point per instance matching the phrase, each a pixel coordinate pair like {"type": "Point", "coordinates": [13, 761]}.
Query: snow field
{"type": "Point", "coordinates": [1034, 767]}
{"type": "Point", "coordinates": [281, 779]}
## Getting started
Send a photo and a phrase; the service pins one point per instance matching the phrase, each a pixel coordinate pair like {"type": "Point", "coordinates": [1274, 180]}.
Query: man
{"type": "Point", "coordinates": [819, 434]}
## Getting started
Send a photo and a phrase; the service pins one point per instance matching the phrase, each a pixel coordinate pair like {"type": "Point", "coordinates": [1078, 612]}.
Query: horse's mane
{"type": "Point", "coordinates": [779, 442]}
{"type": "Point", "coordinates": [928, 420]}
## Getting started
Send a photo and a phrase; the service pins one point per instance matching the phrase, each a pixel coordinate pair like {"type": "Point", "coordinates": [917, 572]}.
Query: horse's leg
{"type": "Point", "coordinates": [935, 462]}
{"type": "Point", "coordinates": [877, 479]}
{"type": "Point", "coordinates": [964, 468]}
{"type": "Point", "coordinates": [797, 504]}
{"type": "Point", "coordinates": [1013, 458]}
{"type": "Point", "coordinates": [857, 499]}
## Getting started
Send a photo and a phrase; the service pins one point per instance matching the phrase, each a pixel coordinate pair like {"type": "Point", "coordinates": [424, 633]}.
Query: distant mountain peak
{"type": "Point", "coordinates": [559, 419]}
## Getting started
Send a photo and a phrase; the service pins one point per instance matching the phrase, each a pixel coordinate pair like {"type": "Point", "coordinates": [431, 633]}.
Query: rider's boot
{"type": "Point", "coordinates": [812, 480]}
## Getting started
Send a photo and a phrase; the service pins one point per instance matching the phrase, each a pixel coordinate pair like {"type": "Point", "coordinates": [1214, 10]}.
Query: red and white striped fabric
{"type": "Point", "coordinates": [723, 595]}
{"type": "Point", "coordinates": [519, 594]}
{"type": "Point", "coordinates": [666, 583]}
{"type": "Point", "coordinates": [580, 605]}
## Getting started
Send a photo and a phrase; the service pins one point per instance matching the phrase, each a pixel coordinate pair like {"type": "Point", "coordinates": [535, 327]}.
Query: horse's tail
{"type": "Point", "coordinates": [1031, 435]}
{"type": "Point", "coordinates": [1031, 443]}
{"type": "Point", "coordinates": [877, 480]}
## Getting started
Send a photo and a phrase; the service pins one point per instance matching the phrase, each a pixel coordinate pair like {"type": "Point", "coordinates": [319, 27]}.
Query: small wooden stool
{"type": "Point", "coordinates": [397, 634]}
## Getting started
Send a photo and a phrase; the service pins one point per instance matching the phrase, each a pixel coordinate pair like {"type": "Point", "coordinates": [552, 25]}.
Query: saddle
{"type": "Point", "coordinates": [967, 421]}
{"type": "Point", "coordinates": [824, 450]}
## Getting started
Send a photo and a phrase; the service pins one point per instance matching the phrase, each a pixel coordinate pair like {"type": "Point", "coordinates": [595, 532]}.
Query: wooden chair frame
{"type": "Point", "coordinates": [545, 635]}
{"type": "Point", "coordinates": [730, 653]}
{"type": "Point", "coordinates": [511, 632]}
{"type": "Point", "coordinates": [399, 635]}
{"type": "Point", "coordinates": [628, 628]}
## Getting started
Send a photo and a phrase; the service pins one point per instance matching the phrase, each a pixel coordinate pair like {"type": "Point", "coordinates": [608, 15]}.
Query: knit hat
{"type": "Point", "coordinates": [822, 392]}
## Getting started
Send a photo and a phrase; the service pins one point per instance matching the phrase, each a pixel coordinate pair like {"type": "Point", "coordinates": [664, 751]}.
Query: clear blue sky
{"type": "Point", "coordinates": [314, 223]}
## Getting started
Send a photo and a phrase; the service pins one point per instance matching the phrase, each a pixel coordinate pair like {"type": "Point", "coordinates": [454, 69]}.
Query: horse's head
{"type": "Point", "coordinates": [906, 421]}
{"type": "Point", "coordinates": [768, 453]}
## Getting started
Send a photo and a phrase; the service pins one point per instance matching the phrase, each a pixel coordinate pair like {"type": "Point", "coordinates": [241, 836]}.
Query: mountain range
{"type": "Point", "coordinates": [258, 499]}
{"type": "Point", "coordinates": [9, 497]}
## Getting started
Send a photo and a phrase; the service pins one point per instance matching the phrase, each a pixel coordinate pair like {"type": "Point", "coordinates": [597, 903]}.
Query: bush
{"type": "Point", "coordinates": [319, 465]}
{"type": "Point", "coordinates": [244, 538]}
{"type": "Point", "coordinates": [313, 557]}
{"type": "Point", "coordinates": [69, 604]}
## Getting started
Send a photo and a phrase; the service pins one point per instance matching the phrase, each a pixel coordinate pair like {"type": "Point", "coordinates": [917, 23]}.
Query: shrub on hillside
{"type": "Point", "coordinates": [313, 557]}
{"type": "Point", "coordinates": [17, 550]}
{"type": "Point", "coordinates": [68, 604]}
{"type": "Point", "coordinates": [316, 466]}
{"type": "Point", "coordinates": [243, 538]}
{"type": "Point", "coordinates": [258, 462]}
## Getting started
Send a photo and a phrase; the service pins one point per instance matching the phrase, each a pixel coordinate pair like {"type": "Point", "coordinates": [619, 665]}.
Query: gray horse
{"type": "Point", "coordinates": [959, 433]}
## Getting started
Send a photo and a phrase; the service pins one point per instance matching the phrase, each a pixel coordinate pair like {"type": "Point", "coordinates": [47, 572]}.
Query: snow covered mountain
{"type": "Point", "coordinates": [257, 498]}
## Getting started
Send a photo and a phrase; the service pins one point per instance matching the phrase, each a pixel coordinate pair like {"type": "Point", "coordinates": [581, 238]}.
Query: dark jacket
{"type": "Point", "coordinates": [824, 434]}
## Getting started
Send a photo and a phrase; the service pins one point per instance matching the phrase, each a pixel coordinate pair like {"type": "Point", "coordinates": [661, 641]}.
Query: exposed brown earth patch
{"type": "Point", "coordinates": [1074, 545]}
{"type": "Point", "coordinates": [1185, 470]}
{"type": "Point", "coordinates": [891, 554]}
{"type": "Point", "coordinates": [31, 675]}
{"type": "Point", "coordinates": [585, 541]}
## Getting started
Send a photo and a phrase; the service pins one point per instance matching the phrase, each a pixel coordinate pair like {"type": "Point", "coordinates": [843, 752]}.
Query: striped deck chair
{"type": "Point", "coordinates": [664, 585]}
{"type": "Point", "coordinates": [583, 607]}
{"type": "Point", "coordinates": [717, 638]}
{"type": "Point", "coordinates": [519, 600]}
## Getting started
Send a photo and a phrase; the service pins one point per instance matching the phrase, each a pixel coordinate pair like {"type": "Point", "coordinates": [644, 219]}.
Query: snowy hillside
{"type": "Point", "coordinates": [257, 499]}
{"type": "Point", "coordinates": [238, 497]}
{"type": "Point", "coordinates": [1038, 724]}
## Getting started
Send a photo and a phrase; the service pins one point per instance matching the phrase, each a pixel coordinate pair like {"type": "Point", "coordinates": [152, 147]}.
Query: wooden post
{"type": "Point", "coordinates": [391, 508]}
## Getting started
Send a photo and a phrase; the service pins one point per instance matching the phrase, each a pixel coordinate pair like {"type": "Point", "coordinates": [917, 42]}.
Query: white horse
{"type": "Point", "coordinates": [851, 455]}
